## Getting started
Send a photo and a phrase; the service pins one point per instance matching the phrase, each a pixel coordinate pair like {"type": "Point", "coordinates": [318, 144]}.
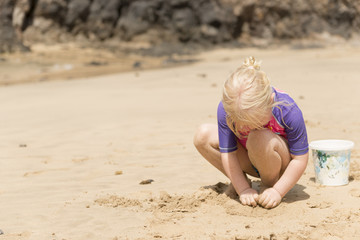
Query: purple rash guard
{"type": "Point", "coordinates": [287, 121]}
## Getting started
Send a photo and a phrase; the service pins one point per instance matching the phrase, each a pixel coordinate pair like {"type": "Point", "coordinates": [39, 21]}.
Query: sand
{"type": "Point", "coordinates": [73, 153]}
{"type": "Point", "coordinates": [69, 61]}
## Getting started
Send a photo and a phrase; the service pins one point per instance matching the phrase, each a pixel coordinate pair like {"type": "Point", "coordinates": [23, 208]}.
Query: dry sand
{"type": "Point", "coordinates": [74, 152]}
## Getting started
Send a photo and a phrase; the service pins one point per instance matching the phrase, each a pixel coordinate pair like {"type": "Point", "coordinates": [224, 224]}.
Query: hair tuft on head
{"type": "Point", "coordinates": [252, 63]}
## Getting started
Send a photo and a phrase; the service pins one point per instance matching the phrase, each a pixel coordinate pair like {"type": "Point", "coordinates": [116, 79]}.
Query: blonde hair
{"type": "Point", "coordinates": [247, 96]}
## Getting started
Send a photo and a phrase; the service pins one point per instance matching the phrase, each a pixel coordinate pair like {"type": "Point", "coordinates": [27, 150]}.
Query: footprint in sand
{"type": "Point", "coordinates": [320, 205]}
{"type": "Point", "coordinates": [355, 192]}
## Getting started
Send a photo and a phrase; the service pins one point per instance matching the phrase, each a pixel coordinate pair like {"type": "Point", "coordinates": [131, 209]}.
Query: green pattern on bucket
{"type": "Point", "coordinates": [332, 167]}
{"type": "Point", "coordinates": [322, 158]}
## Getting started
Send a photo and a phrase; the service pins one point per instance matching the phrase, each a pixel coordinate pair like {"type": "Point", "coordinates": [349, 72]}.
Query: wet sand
{"type": "Point", "coordinates": [72, 61]}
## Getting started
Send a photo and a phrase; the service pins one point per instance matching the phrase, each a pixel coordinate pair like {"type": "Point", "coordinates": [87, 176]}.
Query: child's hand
{"type": "Point", "coordinates": [270, 198]}
{"type": "Point", "coordinates": [249, 197]}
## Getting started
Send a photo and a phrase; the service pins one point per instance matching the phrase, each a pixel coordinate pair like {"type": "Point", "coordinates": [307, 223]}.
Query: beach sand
{"type": "Point", "coordinates": [73, 153]}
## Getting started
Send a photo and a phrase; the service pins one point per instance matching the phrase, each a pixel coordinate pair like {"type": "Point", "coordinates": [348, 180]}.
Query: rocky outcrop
{"type": "Point", "coordinates": [174, 21]}
{"type": "Point", "coordinates": [9, 39]}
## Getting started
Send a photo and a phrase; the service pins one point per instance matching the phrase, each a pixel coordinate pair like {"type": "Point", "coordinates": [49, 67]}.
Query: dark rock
{"type": "Point", "coordinates": [51, 9]}
{"type": "Point", "coordinates": [217, 22]}
{"type": "Point", "coordinates": [147, 181]}
{"type": "Point", "coordinates": [96, 63]}
{"type": "Point", "coordinates": [77, 12]}
{"type": "Point", "coordinates": [21, 14]}
{"type": "Point", "coordinates": [9, 40]}
{"type": "Point", "coordinates": [180, 3]}
{"type": "Point", "coordinates": [312, 24]}
{"type": "Point", "coordinates": [137, 65]}
{"type": "Point", "coordinates": [103, 17]}
{"type": "Point", "coordinates": [162, 22]}
{"type": "Point", "coordinates": [137, 18]}
{"type": "Point", "coordinates": [184, 19]}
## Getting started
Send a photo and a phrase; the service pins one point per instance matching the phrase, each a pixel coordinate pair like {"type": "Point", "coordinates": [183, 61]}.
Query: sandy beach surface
{"type": "Point", "coordinates": [73, 153]}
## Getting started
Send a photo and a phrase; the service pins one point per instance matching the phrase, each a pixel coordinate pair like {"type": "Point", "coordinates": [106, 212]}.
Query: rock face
{"type": "Point", "coordinates": [9, 40]}
{"type": "Point", "coordinates": [156, 21]}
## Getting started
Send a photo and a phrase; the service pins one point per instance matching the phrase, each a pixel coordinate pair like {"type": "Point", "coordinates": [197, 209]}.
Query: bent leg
{"type": "Point", "coordinates": [206, 141]}
{"type": "Point", "coordinates": [269, 153]}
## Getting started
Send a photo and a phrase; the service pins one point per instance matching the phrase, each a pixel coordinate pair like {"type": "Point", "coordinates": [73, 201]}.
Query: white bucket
{"type": "Point", "coordinates": [331, 161]}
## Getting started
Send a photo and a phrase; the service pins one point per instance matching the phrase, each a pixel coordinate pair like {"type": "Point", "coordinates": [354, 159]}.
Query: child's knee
{"type": "Point", "coordinates": [259, 140]}
{"type": "Point", "coordinates": [262, 146]}
{"type": "Point", "coordinates": [202, 135]}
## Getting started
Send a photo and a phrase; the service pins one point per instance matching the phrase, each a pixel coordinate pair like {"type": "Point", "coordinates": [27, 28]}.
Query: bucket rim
{"type": "Point", "coordinates": [332, 145]}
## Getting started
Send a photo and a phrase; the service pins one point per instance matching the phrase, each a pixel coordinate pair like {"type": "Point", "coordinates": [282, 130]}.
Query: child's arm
{"type": "Point", "coordinates": [231, 165]}
{"type": "Point", "coordinates": [292, 174]}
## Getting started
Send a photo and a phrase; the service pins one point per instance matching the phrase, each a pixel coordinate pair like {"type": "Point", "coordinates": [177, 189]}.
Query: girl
{"type": "Point", "coordinates": [260, 132]}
